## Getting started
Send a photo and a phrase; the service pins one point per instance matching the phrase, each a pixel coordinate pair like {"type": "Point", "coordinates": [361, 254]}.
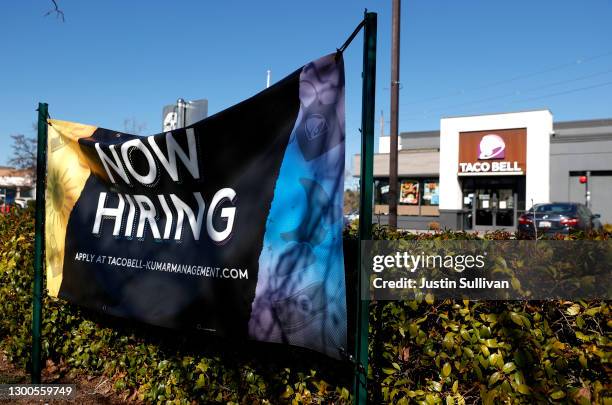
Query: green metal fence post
{"type": "Point", "coordinates": [365, 206]}
{"type": "Point", "coordinates": [41, 171]}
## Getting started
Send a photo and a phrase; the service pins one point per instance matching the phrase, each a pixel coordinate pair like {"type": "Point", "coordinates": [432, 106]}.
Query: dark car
{"type": "Point", "coordinates": [556, 218]}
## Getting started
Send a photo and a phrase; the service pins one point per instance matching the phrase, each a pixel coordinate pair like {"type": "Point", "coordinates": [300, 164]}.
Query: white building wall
{"type": "Point", "coordinates": [384, 144]}
{"type": "Point", "coordinates": [539, 131]}
{"type": "Point", "coordinates": [539, 126]}
{"type": "Point", "coordinates": [450, 189]}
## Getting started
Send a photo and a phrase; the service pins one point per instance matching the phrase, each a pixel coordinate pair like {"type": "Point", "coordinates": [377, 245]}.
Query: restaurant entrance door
{"type": "Point", "coordinates": [493, 203]}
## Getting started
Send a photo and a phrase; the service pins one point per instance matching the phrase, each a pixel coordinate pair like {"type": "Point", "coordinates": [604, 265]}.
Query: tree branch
{"type": "Point", "coordinates": [24, 152]}
{"type": "Point", "coordinates": [56, 10]}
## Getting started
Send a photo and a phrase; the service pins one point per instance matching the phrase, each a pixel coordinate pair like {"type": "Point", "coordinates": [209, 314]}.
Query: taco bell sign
{"type": "Point", "coordinates": [492, 152]}
{"type": "Point", "coordinates": [491, 146]}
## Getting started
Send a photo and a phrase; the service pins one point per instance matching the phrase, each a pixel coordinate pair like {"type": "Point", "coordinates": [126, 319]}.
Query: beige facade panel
{"type": "Point", "coordinates": [410, 163]}
{"type": "Point", "coordinates": [424, 210]}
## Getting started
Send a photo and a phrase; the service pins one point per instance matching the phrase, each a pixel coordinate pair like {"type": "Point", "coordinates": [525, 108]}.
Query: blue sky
{"type": "Point", "coordinates": [117, 60]}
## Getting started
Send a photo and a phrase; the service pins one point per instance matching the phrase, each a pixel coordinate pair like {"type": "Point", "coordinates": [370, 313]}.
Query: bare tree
{"type": "Point", "coordinates": [351, 201]}
{"type": "Point", "coordinates": [59, 14]}
{"type": "Point", "coordinates": [24, 153]}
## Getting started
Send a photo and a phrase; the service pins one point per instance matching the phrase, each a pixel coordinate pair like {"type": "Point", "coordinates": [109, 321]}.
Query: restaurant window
{"type": "Point", "coordinates": [415, 196]}
{"type": "Point", "coordinates": [409, 192]}
{"type": "Point", "coordinates": [381, 191]}
{"type": "Point", "coordinates": [431, 192]}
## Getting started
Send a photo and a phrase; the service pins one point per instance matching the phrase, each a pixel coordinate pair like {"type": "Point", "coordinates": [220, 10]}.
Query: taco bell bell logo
{"type": "Point", "coordinates": [491, 147]}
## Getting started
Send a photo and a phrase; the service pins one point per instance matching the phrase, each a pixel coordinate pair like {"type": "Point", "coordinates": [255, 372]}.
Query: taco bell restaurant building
{"type": "Point", "coordinates": [482, 172]}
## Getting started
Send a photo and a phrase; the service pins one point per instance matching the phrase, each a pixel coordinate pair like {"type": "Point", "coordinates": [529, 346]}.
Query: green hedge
{"type": "Point", "coordinates": [420, 352]}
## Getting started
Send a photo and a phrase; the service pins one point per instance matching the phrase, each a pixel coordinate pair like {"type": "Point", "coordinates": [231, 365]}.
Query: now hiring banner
{"type": "Point", "coordinates": [232, 225]}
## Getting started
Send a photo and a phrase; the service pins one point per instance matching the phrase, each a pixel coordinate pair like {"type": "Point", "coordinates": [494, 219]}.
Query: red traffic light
{"type": "Point", "coordinates": [582, 179]}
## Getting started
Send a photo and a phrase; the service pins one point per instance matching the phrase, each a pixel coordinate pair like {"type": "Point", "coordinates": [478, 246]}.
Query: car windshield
{"type": "Point", "coordinates": [556, 208]}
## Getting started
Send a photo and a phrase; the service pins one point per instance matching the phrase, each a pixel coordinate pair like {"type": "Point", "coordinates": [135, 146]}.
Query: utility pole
{"type": "Point", "coordinates": [587, 193]}
{"type": "Point", "coordinates": [395, 56]}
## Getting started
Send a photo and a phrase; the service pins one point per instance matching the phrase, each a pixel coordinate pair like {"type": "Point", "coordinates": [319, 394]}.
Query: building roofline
{"type": "Point", "coordinates": [421, 134]}
{"type": "Point", "coordinates": [499, 113]}
{"type": "Point", "coordinates": [589, 123]}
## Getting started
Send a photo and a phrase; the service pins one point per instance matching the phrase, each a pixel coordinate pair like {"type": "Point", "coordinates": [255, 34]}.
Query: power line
{"type": "Point", "coordinates": [565, 92]}
{"type": "Point", "coordinates": [515, 93]}
{"type": "Point", "coordinates": [541, 97]}
{"type": "Point", "coordinates": [570, 80]}
{"type": "Point", "coordinates": [578, 61]}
